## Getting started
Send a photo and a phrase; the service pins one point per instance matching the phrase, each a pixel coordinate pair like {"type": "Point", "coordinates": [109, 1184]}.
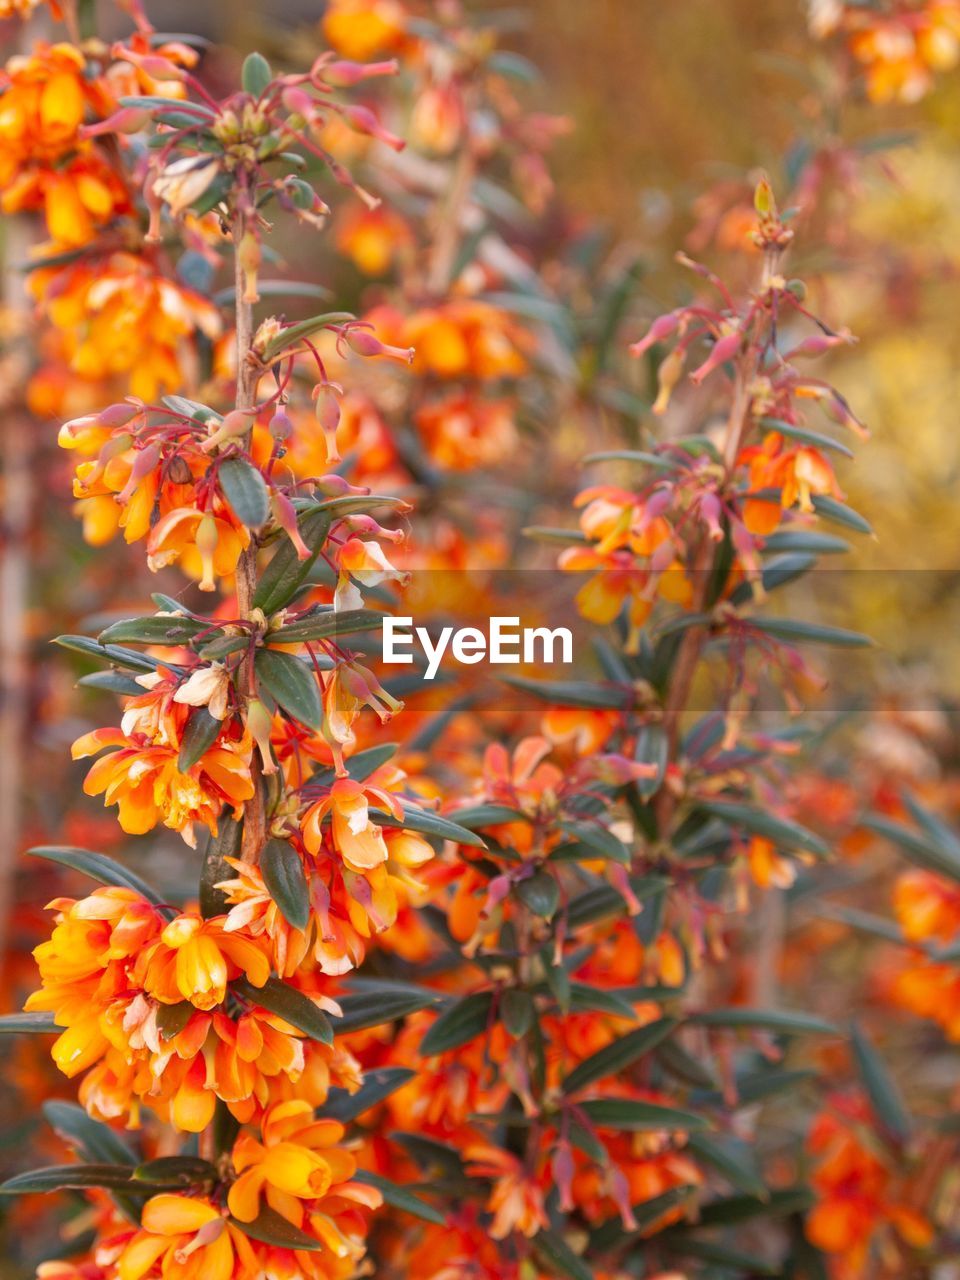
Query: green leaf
{"type": "Point", "coordinates": [172, 1018]}
{"type": "Point", "coordinates": [326, 625]}
{"type": "Point", "coordinates": [116, 654]}
{"type": "Point", "coordinates": [540, 894]}
{"type": "Point", "coordinates": [291, 684]}
{"type": "Point", "coordinates": [154, 629]}
{"type": "Point", "coordinates": [459, 1023]}
{"type": "Point", "coordinates": [378, 1084]}
{"type": "Point", "coordinates": [603, 900]}
{"type": "Point", "coordinates": [725, 1257]}
{"type": "Point", "coordinates": [428, 824]}
{"type": "Point", "coordinates": [617, 1056]}
{"type": "Point", "coordinates": [600, 841]}
{"type": "Point", "coordinates": [611, 1234]}
{"type": "Point", "coordinates": [270, 1227]}
{"type": "Point", "coordinates": [517, 1012]}
{"type": "Point", "coordinates": [291, 1005]}
{"type": "Point", "coordinates": [558, 1255]}
{"type": "Point", "coordinates": [373, 1002]}
{"type": "Point", "coordinates": [359, 766]}
{"type": "Point", "coordinates": [793, 629]}
{"type": "Point", "coordinates": [199, 735]}
{"type": "Point", "coordinates": [288, 337]}
{"type": "Point", "coordinates": [919, 850]}
{"type": "Point", "coordinates": [587, 998]}
{"type": "Point", "coordinates": [782, 831]}
{"type": "Point", "coordinates": [736, 1209]}
{"type": "Point", "coordinates": [71, 1177]}
{"type": "Point", "coordinates": [34, 1024]}
{"type": "Point", "coordinates": [201, 413]}
{"type": "Point", "coordinates": [639, 1117]}
{"type": "Point", "coordinates": [225, 844]}
{"type": "Point", "coordinates": [97, 866]}
{"type": "Point", "coordinates": [839, 513]}
{"type": "Point", "coordinates": [573, 693]}
{"type": "Point", "coordinates": [777, 1021]}
{"type": "Point", "coordinates": [111, 682]}
{"type": "Point", "coordinates": [814, 438]}
{"type": "Point", "coordinates": [400, 1198]}
{"type": "Point", "coordinates": [808, 540]}
{"type": "Point", "coordinates": [885, 1098]}
{"type": "Point", "coordinates": [285, 574]}
{"type": "Point", "coordinates": [731, 1157]}
{"type": "Point", "coordinates": [175, 1171]}
{"type": "Point", "coordinates": [476, 817]}
{"type": "Point", "coordinates": [90, 1138]}
{"type": "Point", "coordinates": [245, 489]}
{"type": "Point", "coordinates": [632, 455]}
{"type": "Point", "coordinates": [286, 882]}
{"type": "Point", "coordinates": [256, 74]}
{"type": "Point", "coordinates": [652, 748]}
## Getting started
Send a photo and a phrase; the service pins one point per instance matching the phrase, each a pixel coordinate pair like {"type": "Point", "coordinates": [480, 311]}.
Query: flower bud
{"type": "Point", "coordinates": [260, 724]}
{"type": "Point", "coordinates": [206, 539]}
{"type": "Point", "coordinates": [366, 343]}
{"type": "Point", "coordinates": [364, 121]}
{"type": "Point", "coordinates": [145, 461]}
{"type": "Point", "coordinates": [343, 74]}
{"type": "Point", "coordinates": [285, 515]}
{"type": "Point", "coordinates": [326, 407]}
{"type": "Point", "coordinates": [280, 426]}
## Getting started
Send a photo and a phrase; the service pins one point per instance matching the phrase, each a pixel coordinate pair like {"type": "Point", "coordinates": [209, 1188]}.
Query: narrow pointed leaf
{"type": "Point", "coordinates": [372, 1003]}
{"type": "Point", "coordinates": [270, 1227]}
{"type": "Point", "coordinates": [35, 1024]}
{"type": "Point", "coordinates": [378, 1084]}
{"type": "Point", "coordinates": [97, 866]}
{"type": "Point", "coordinates": [245, 489]}
{"type": "Point", "coordinates": [400, 1198]}
{"type": "Point", "coordinates": [199, 735]}
{"type": "Point", "coordinates": [639, 1117]}
{"type": "Point", "coordinates": [617, 1056]}
{"type": "Point", "coordinates": [885, 1098]}
{"type": "Point", "coordinates": [459, 1023]}
{"type": "Point", "coordinates": [286, 881]}
{"type": "Point", "coordinates": [291, 1005]}
{"type": "Point", "coordinates": [292, 684]}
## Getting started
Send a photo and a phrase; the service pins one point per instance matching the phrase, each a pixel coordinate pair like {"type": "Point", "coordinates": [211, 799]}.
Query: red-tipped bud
{"type": "Point", "coordinates": [661, 328]}
{"type": "Point", "coordinates": [327, 409]}
{"type": "Point", "coordinates": [118, 415]}
{"type": "Point", "coordinates": [364, 121]}
{"type": "Point", "coordinates": [724, 349]}
{"type": "Point", "coordinates": [366, 343]}
{"type": "Point", "coordinates": [343, 74]}
{"type": "Point", "coordinates": [145, 461]}
{"type": "Point", "coordinates": [126, 120]}
{"type": "Point", "coordinates": [280, 426]}
{"type": "Point", "coordinates": [286, 516]}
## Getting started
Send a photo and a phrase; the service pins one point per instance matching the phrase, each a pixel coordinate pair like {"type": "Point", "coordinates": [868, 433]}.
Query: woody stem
{"type": "Point", "coordinates": [254, 818]}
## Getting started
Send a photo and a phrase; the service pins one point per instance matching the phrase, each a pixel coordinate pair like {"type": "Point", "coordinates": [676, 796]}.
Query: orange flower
{"type": "Point", "coordinates": [516, 1200]}
{"type": "Point", "coordinates": [927, 906]}
{"type": "Point", "coordinates": [462, 432]}
{"type": "Point", "coordinates": [360, 29]}
{"type": "Point", "coordinates": [297, 1160]}
{"type": "Point", "coordinates": [146, 783]}
{"type": "Point", "coordinates": [858, 1193]}
{"type": "Point", "coordinates": [187, 1238]}
{"type": "Point", "coordinates": [355, 836]}
{"type": "Point", "coordinates": [372, 238]}
{"type": "Point", "coordinates": [121, 319]}
{"type": "Point", "coordinates": [43, 162]}
{"type": "Point", "coordinates": [194, 960]}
